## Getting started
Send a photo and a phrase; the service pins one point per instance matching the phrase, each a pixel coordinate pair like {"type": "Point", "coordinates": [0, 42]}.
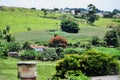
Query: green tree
{"type": "Point", "coordinates": [112, 37]}
{"type": "Point", "coordinates": [9, 38]}
{"type": "Point", "coordinates": [14, 46]}
{"type": "Point", "coordinates": [91, 16]}
{"type": "Point", "coordinates": [44, 11]}
{"type": "Point", "coordinates": [1, 34]}
{"type": "Point", "coordinates": [7, 29]}
{"type": "Point", "coordinates": [4, 31]}
{"type": "Point", "coordinates": [68, 25]}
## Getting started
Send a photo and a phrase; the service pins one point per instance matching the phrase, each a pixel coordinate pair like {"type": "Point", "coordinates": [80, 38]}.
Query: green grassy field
{"type": "Point", "coordinates": [84, 35]}
{"type": "Point", "coordinates": [19, 19]}
{"type": "Point", "coordinates": [8, 69]}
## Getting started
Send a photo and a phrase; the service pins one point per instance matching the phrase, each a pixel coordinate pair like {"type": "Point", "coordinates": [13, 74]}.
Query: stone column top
{"type": "Point", "coordinates": [26, 62]}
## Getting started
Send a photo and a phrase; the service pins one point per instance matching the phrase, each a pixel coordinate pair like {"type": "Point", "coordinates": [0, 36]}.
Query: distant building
{"type": "Point", "coordinates": [38, 48]}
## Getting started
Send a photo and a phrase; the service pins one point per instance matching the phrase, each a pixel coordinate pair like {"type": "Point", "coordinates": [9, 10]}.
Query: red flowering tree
{"type": "Point", "coordinates": [57, 41]}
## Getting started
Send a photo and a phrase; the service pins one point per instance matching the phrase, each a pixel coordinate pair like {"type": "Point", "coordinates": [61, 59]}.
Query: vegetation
{"type": "Point", "coordinates": [91, 63]}
{"type": "Point", "coordinates": [29, 55]}
{"type": "Point", "coordinates": [21, 27]}
{"type": "Point", "coordinates": [91, 16]}
{"type": "Point", "coordinates": [70, 26]}
{"type": "Point", "coordinates": [112, 37]}
{"type": "Point", "coordinates": [57, 41]}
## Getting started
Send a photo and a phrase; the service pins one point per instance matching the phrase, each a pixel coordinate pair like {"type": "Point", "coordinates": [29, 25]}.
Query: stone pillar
{"type": "Point", "coordinates": [27, 70]}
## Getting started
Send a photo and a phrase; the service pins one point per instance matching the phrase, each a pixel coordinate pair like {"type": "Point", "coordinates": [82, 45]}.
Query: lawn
{"type": "Point", "coordinates": [8, 69]}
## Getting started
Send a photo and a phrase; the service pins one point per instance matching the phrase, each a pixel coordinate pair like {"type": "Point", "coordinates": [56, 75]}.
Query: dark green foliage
{"type": "Point", "coordinates": [1, 34]}
{"type": "Point", "coordinates": [97, 64]}
{"type": "Point", "coordinates": [10, 38]}
{"type": "Point", "coordinates": [3, 50]}
{"type": "Point", "coordinates": [28, 29]}
{"type": "Point", "coordinates": [49, 54]}
{"type": "Point", "coordinates": [26, 45]}
{"type": "Point", "coordinates": [91, 63]}
{"type": "Point", "coordinates": [4, 31]}
{"type": "Point", "coordinates": [70, 62]}
{"type": "Point", "coordinates": [45, 43]}
{"type": "Point", "coordinates": [95, 40]}
{"type": "Point", "coordinates": [44, 12]}
{"type": "Point", "coordinates": [91, 16]}
{"type": "Point", "coordinates": [70, 26]}
{"type": "Point", "coordinates": [14, 46]}
{"type": "Point", "coordinates": [30, 55]}
{"type": "Point", "coordinates": [71, 51]}
{"type": "Point", "coordinates": [7, 28]}
{"type": "Point", "coordinates": [112, 37]}
{"type": "Point", "coordinates": [76, 75]}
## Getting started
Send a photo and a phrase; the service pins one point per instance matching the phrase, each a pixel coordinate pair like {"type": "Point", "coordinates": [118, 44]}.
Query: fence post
{"type": "Point", "coordinates": [27, 70]}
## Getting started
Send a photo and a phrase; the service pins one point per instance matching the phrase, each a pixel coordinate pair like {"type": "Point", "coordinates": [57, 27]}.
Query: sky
{"type": "Point", "coordinates": [107, 5]}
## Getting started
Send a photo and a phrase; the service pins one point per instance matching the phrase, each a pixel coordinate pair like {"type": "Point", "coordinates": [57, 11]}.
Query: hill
{"type": "Point", "coordinates": [20, 19]}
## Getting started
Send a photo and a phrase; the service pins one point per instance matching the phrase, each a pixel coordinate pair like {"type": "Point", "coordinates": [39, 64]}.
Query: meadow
{"type": "Point", "coordinates": [20, 19]}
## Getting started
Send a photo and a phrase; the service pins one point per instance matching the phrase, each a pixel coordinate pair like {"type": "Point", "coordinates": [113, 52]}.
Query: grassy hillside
{"type": "Point", "coordinates": [21, 18]}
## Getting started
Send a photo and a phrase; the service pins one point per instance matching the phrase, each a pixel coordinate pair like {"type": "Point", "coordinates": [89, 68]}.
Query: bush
{"type": "Point", "coordinates": [14, 46]}
{"type": "Point", "coordinates": [57, 41]}
{"type": "Point", "coordinates": [3, 50]}
{"type": "Point", "coordinates": [111, 38]}
{"type": "Point", "coordinates": [26, 45]}
{"type": "Point", "coordinates": [70, 26]}
{"type": "Point", "coordinates": [29, 55]}
{"type": "Point", "coordinates": [49, 54]}
{"type": "Point", "coordinates": [95, 40]}
{"type": "Point", "coordinates": [97, 64]}
{"type": "Point", "coordinates": [76, 75]}
{"type": "Point", "coordinates": [72, 51]}
{"type": "Point", "coordinates": [91, 63]}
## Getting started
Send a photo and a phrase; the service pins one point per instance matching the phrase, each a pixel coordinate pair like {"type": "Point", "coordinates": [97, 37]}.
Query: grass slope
{"type": "Point", "coordinates": [8, 69]}
{"type": "Point", "coordinates": [20, 19]}
{"type": "Point", "coordinates": [84, 34]}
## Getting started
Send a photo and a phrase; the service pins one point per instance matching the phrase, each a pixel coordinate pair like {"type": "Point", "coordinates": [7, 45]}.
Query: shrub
{"type": "Point", "coordinates": [91, 63]}
{"type": "Point", "coordinates": [95, 40]}
{"type": "Point", "coordinates": [3, 50]}
{"type": "Point", "coordinates": [70, 51]}
{"type": "Point", "coordinates": [70, 26]}
{"type": "Point", "coordinates": [111, 38]}
{"type": "Point", "coordinates": [29, 55]}
{"type": "Point", "coordinates": [26, 45]}
{"type": "Point", "coordinates": [49, 54]}
{"type": "Point", "coordinates": [97, 64]}
{"type": "Point", "coordinates": [76, 75]}
{"type": "Point", "coordinates": [14, 46]}
{"type": "Point", "coordinates": [9, 38]}
{"type": "Point", "coordinates": [57, 41]}
{"type": "Point", "coordinates": [70, 62]}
